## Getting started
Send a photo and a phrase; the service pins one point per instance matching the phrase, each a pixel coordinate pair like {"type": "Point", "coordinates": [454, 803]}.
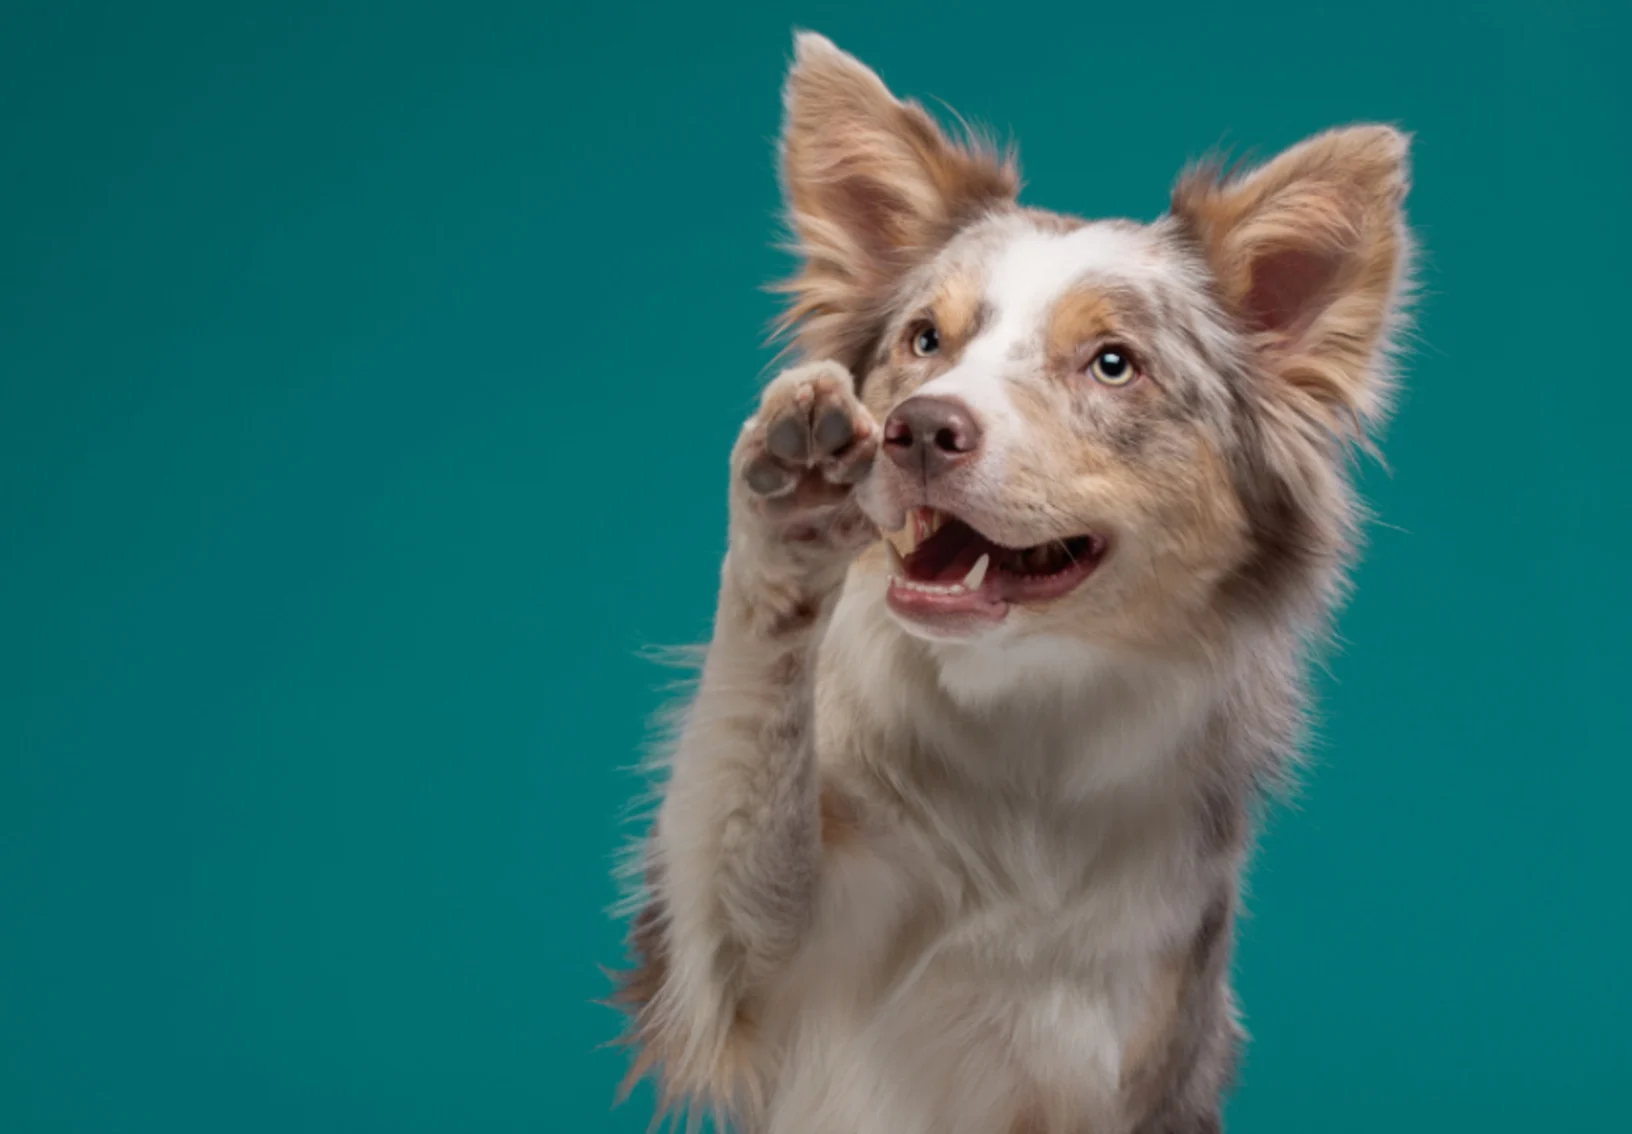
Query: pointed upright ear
{"type": "Point", "coordinates": [1311, 253]}
{"type": "Point", "coordinates": [873, 188]}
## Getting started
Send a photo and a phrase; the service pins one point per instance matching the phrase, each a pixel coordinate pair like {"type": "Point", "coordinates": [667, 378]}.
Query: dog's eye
{"type": "Point", "coordinates": [1112, 367]}
{"type": "Point", "coordinates": [926, 340]}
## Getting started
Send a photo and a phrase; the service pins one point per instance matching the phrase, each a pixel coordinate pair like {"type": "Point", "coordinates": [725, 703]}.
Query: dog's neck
{"type": "Point", "coordinates": [1070, 719]}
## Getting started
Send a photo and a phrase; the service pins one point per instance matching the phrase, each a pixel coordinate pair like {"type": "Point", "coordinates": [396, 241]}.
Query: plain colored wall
{"type": "Point", "coordinates": [368, 375]}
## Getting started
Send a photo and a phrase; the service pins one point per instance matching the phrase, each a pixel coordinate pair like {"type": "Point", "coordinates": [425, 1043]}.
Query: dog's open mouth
{"type": "Point", "coordinates": [951, 569]}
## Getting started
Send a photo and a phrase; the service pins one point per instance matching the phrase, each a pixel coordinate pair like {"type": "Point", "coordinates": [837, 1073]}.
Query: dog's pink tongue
{"type": "Point", "coordinates": [946, 556]}
{"type": "Point", "coordinates": [940, 553]}
{"type": "Point", "coordinates": [957, 570]}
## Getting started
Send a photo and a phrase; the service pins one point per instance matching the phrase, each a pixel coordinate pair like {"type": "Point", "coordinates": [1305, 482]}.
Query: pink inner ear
{"type": "Point", "coordinates": [1290, 288]}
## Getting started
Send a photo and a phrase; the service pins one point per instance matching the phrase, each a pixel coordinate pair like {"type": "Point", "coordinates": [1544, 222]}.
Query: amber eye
{"type": "Point", "coordinates": [1112, 367]}
{"type": "Point", "coordinates": [926, 340]}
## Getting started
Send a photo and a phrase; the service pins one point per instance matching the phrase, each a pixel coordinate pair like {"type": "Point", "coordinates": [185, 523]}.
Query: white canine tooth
{"type": "Point", "coordinates": [897, 568]}
{"type": "Point", "coordinates": [977, 573]}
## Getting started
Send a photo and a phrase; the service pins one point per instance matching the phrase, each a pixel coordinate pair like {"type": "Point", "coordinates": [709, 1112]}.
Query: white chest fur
{"type": "Point", "coordinates": [988, 939]}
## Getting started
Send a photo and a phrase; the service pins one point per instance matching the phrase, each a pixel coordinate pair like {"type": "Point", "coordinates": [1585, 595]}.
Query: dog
{"type": "Point", "coordinates": [1027, 556]}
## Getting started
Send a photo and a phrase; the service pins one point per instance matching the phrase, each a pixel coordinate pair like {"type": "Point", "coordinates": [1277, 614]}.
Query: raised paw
{"type": "Point", "coordinates": [805, 449]}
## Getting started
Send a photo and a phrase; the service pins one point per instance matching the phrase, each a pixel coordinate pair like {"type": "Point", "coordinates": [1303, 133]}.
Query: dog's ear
{"type": "Point", "coordinates": [872, 188]}
{"type": "Point", "coordinates": [1311, 253]}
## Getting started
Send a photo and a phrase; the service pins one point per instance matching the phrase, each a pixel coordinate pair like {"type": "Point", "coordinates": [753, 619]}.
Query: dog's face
{"type": "Point", "coordinates": [1052, 429]}
{"type": "Point", "coordinates": [1123, 433]}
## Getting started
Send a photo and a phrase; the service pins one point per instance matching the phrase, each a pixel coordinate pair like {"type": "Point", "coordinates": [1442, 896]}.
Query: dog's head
{"type": "Point", "coordinates": [1127, 433]}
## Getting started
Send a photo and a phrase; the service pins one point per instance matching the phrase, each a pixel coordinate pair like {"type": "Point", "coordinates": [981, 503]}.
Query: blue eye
{"type": "Point", "coordinates": [1112, 367]}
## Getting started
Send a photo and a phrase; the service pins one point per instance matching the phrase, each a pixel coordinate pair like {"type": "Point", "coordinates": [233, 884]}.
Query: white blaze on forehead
{"type": "Point", "coordinates": [1026, 277]}
{"type": "Point", "coordinates": [1035, 269]}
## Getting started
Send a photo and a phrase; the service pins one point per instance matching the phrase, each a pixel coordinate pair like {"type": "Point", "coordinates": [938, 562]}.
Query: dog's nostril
{"type": "Point", "coordinates": [929, 435]}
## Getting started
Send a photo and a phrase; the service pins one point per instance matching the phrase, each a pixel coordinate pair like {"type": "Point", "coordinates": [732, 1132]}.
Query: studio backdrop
{"type": "Point", "coordinates": [367, 377]}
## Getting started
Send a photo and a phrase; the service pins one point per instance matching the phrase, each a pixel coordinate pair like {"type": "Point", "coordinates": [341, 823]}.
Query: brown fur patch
{"type": "Point", "coordinates": [799, 617]}
{"type": "Point", "coordinates": [1082, 316]}
{"type": "Point", "coordinates": [636, 989]}
{"type": "Point", "coordinates": [1205, 535]}
{"type": "Point", "coordinates": [637, 994]}
{"type": "Point", "coordinates": [1187, 1064]}
{"type": "Point", "coordinates": [1203, 530]}
{"type": "Point", "coordinates": [957, 310]}
{"type": "Point", "coordinates": [841, 818]}
{"type": "Point", "coordinates": [1156, 1025]}
{"type": "Point", "coordinates": [639, 986]}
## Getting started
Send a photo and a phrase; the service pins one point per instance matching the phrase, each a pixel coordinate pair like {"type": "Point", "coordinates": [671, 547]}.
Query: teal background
{"type": "Point", "coordinates": [368, 372]}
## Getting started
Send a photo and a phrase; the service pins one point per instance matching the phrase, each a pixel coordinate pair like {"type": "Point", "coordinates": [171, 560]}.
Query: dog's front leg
{"type": "Point", "coordinates": [736, 852]}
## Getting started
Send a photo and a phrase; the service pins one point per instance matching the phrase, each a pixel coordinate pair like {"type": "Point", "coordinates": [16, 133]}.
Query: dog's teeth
{"type": "Point", "coordinates": [897, 568]}
{"type": "Point", "coordinates": [977, 573]}
{"type": "Point", "coordinates": [931, 588]}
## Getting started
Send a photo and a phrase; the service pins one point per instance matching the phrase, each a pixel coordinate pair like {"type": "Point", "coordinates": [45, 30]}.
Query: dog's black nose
{"type": "Point", "coordinates": [930, 435]}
